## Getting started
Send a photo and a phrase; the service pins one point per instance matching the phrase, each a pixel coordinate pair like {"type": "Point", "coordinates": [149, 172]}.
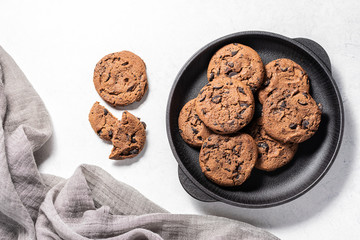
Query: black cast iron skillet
{"type": "Point", "coordinates": [314, 157]}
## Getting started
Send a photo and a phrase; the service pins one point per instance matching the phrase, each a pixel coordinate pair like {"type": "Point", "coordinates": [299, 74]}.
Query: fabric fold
{"type": "Point", "coordinates": [91, 204]}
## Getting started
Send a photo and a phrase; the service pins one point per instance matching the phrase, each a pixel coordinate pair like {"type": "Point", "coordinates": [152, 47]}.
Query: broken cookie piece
{"type": "Point", "coordinates": [129, 138]}
{"type": "Point", "coordinates": [102, 121]}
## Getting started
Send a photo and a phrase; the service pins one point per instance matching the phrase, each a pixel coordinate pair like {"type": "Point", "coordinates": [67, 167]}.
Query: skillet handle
{"type": "Point", "coordinates": [192, 189]}
{"type": "Point", "coordinates": [317, 49]}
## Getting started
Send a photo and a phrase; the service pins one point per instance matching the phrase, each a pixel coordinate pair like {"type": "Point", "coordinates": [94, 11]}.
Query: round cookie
{"type": "Point", "coordinates": [228, 161]}
{"type": "Point", "coordinates": [120, 78]}
{"type": "Point", "coordinates": [283, 74]}
{"type": "Point", "coordinates": [237, 61]}
{"type": "Point", "coordinates": [191, 128]}
{"type": "Point", "coordinates": [272, 154]}
{"type": "Point", "coordinates": [102, 121]}
{"type": "Point", "coordinates": [291, 116]}
{"type": "Point", "coordinates": [129, 138]}
{"type": "Point", "coordinates": [225, 105]}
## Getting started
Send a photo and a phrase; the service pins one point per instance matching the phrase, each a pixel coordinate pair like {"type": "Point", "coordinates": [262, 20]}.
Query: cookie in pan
{"type": "Point", "coordinates": [228, 160]}
{"type": "Point", "coordinates": [237, 62]}
{"type": "Point", "coordinates": [191, 128]}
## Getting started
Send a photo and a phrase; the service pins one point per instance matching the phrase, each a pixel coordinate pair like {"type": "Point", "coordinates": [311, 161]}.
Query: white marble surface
{"type": "Point", "coordinates": [57, 44]}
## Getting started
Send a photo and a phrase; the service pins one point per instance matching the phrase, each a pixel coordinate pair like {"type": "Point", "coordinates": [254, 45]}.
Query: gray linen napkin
{"type": "Point", "coordinates": [89, 205]}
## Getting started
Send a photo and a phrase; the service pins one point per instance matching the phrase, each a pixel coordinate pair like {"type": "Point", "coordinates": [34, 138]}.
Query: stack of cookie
{"type": "Point", "coordinates": [120, 79]}
{"type": "Point", "coordinates": [216, 118]}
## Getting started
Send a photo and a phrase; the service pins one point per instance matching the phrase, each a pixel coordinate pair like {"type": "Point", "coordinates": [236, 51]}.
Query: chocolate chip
{"type": "Point", "coordinates": [302, 103]}
{"type": "Point", "coordinates": [217, 87]}
{"type": "Point", "coordinates": [125, 63]}
{"type": "Point", "coordinates": [195, 131]}
{"type": "Point", "coordinates": [110, 134]}
{"type": "Point", "coordinates": [208, 84]}
{"type": "Point", "coordinates": [209, 138]}
{"type": "Point", "coordinates": [144, 124]}
{"type": "Point", "coordinates": [211, 77]}
{"type": "Point", "coordinates": [259, 155]}
{"type": "Point", "coordinates": [131, 88]}
{"type": "Point", "coordinates": [134, 151]}
{"type": "Point", "coordinates": [292, 125]}
{"type": "Point", "coordinates": [227, 169]}
{"type": "Point", "coordinates": [208, 169]}
{"type": "Point", "coordinates": [240, 89]}
{"type": "Point", "coordinates": [238, 168]}
{"type": "Point", "coordinates": [200, 138]}
{"type": "Point", "coordinates": [227, 139]}
{"type": "Point", "coordinates": [244, 105]}
{"type": "Point", "coordinates": [99, 132]}
{"type": "Point", "coordinates": [233, 53]}
{"type": "Point", "coordinates": [305, 124]}
{"type": "Point", "coordinates": [232, 123]}
{"type": "Point", "coordinates": [237, 177]}
{"type": "Point", "coordinates": [180, 131]}
{"type": "Point", "coordinates": [284, 69]}
{"type": "Point", "coordinates": [105, 111]}
{"type": "Point", "coordinates": [133, 140]}
{"type": "Point", "coordinates": [283, 104]}
{"type": "Point", "coordinates": [263, 145]}
{"type": "Point", "coordinates": [305, 94]}
{"type": "Point", "coordinates": [231, 64]}
{"type": "Point", "coordinates": [231, 74]}
{"type": "Point", "coordinates": [216, 99]}
{"type": "Point", "coordinates": [218, 72]}
{"type": "Point", "coordinates": [202, 99]}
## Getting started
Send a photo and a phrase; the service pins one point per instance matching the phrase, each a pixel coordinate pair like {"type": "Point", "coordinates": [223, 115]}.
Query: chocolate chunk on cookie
{"type": "Point", "coordinates": [283, 74]}
{"type": "Point", "coordinates": [102, 121]}
{"type": "Point", "coordinates": [225, 105]}
{"type": "Point", "coordinates": [272, 154]}
{"type": "Point", "coordinates": [120, 78]}
{"type": "Point", "coordinates": [129, 138]}
{"type": "Point", "coordinates": [291, 116]}
{"type": "Point", "coordinates": [228, 160]}
{"type": "Point", "coordinates": [191, 128]}
{"type": "Point", "coordinates": [237, 61]}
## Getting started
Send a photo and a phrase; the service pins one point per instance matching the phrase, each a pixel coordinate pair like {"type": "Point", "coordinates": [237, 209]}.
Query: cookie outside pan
{"type": "Point", "coordinates": [191, 128]}
{"type": "Point", "coordinates": [272, 154]}
{"type": "Point", "coordinates": [291, 116]}
{"type": "Point", "coordinates": [237, 61]}
{"type": "Point", "coordinates": [129, 138]}
{"type": "Point", "coordinates": [225, 105]}
{"type": "Point", "coordinates": [283, 74]}
{"type": "Point", "coordinates": [120, 78]}
{"type": "Point", "coordinates": [228, 160]}
{"type": "Point", "coordinates": [102, 121]}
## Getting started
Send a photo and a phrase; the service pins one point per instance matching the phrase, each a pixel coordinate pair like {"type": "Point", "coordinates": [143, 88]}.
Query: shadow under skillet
{"type": "Point", "coordinates": [310, 204]}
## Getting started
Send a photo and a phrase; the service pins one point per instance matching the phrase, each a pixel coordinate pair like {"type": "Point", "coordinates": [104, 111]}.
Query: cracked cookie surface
{"type": "Point", "coordinates": [238, 62]}
{"type": "Point", "coordinates": [102, 121]}
{"type": "Point", "coordinates": [225, 105]}
{"type": "Point", "coordinates": [272, 154]}
{"type": "Point", "coordinates": [283, 74]}
{"type": "Point", "coordinates": [120, 78]}
{"type": "Point", "coordinates": [291, 116]}
{"type": "Point", "coordinates": [228, 160]}
{"type": "Point", "coordinates": [191, 128]}
{"type": "Point", "coordinates": [129, 138]}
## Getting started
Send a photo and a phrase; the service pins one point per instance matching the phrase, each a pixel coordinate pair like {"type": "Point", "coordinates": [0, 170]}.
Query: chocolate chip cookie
{"type": "Point", "coordinates": [225, 105]}
{"type": "Point", "coordinates": [237, 61]}
{"type": "Point", "coordinates": [191, 128]}
{"type": "Point", "coordinates": [228, 160]}
{"type": "Point", "coordinates": [291, 116]}
{"type": "Point", "coordinates": [283, 74]}
{"type": "Point", "coordinates": [129, 138]}
{"type": "Point", "coordinates": [272, 154]}
{"type": "Point", "coordinates": [120, 78]}
{"type": "Point", "coordinates": [102, 121]}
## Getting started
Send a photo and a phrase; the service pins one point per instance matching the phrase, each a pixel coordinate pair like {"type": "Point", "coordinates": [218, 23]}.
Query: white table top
{"type": "Point", "coordinates": [58, 43]}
